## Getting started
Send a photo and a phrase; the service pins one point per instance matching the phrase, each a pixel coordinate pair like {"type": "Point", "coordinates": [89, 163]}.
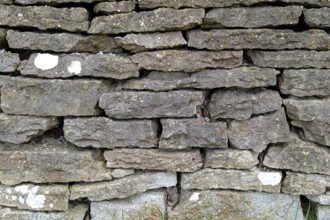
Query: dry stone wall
{"type": "Point", "coordinates": [164, 109]}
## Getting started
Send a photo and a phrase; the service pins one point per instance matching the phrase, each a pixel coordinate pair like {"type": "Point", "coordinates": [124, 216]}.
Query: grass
{"type": "Point", "coordinates": [311, 212]}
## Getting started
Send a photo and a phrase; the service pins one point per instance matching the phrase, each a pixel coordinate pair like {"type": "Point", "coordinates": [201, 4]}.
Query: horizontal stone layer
{"type": "Point", "coordinates": [317, 131]}
{"type": "Point", "coordinates": [114, 7]}
{"type": "Point", "coordinates": [32, 2]}
{"type": "Point", "coordinates": [319, 18]}
{"type": "Point", "coordinates": [8, 61]}
{"type": "Point", "coordinates": [320, 199]}
{"type": "Point", "coordinates": [119, 173]}
{"type": "Point", "coordinates": [6, 2]}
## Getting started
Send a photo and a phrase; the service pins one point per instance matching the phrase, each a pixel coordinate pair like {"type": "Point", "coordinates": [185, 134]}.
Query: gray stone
{"type": "Point", "coordinates": [322, 3]}
{"type": "Point", "coordinates": [316, 131]}
{"type": "Point", "coordinates": [54, 2]}
{"type": "Point", "coordinates": [8, 61]}
{"type": "Point", "coordinates": [186, 133]}
{"type": "Point", "coordinates": [143, 206]}
{"type": "Point", "coordinates": [123, 187]}
{"type": "Point", "coordinates": [143, 42]}
{"type": "Point", "coordinates": [300, 156]}
{"type": "Point", "coordinates": [256, 133]}
{"type": "Point", "coordinates": [230, 158]}
{"type": "Point", "coordinates": [162, 19]}
{"type": "Point", "coordinates": [124, 105]}
{"type": "Point", "coordinates": [45, 17]}
{"type": "Point", "coordinates": [41, 97]}
{"type": "Point", "coordinates": [319, 17]}
{"type": "Point", "coordinates": [252, 17]}
{"type": "Point", "coordinates": [60, 42]}
{"type": "Point", "coordinates": [50, 162]}
{"type": "Point", "coordinates": [66, 65]}
{"type": "Point", "coordinates": [154, 159]}
{"type": "Point", "coordinates": [242, 77]}
{"type": "Point", "coordinates": [237, 205]}
{"type": "Point", "coordinates": [6, 2]}
{"type": "Point", "coordinates": [291, 59]}
{"type": "Point", "coordinates": [35, 197]}
{"type": "Point", "coordinates": [119, 173]}
{"type": "Point", "coordinates": [259, 39]}
{"type": "Point", "coordinates": [241, 105]}
{"type": "Point", "coordinates": [20, 129]}
{"type": "Point", "coordinates": [320, 199]}
{"type": "Point", "coordinates": [322, 212]}
{"type": "Point", "coordinates": [102, 132]}
{"type": "Point", "coordinates": [187, 61]}
{"type": "Point", "coordinates": [114, 7]}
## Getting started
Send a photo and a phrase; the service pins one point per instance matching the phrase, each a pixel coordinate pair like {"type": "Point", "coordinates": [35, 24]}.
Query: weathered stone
{"type": "Point", "coordinates": [53, 2]}
{"type": "Point", "coordinates": [186, 133]}
{"type": "Point", "coordinates": [232, 179]}
{"type": "Point", "coordinates": [300, 156]}
{"type": "Point", "coordinates": [187, 61]}
{"type": "Point", "coordinates": [8, 61]}
{"type": "Point", "coordinates": [152, 41]}
{"type": "Point", "coordinates": [50, 162]}
{"type": "Point", "coordinates": [41, 97]}
{"type": "Point", "coordinates": [149, 205]}
{"type": "Point", "coordinates": [60, 42]}
{"type": "Point", "coordinates": [123, 187]}
{"type": "Point", "coordinates": [154, 159]}
{"type": "Point", "coordinates": [322, 212]}
{"type": "Point", "coordinates": [242, 77]}
{"type": "Point", "coordinates": [316, 131]}
{"type": "Point", "coordinates": [322, 3]}
{"type": "Point", "coordinates": [102, 132]}
{"type": "Point", "coordinates": [291, 59]}
{"type": "Point", "coordinates": [241, 105]}
{"type": "Point", "coordinates": [230, 158]}
{"type": "Point", "coordinates": [45, 17]}
{"type": "Point", "coordinates": [162, 19]}
{"type": "Point", "coordinates": [19, 129]}
{"type": "Point", "coordinates": [305, 82]}
{"type": "Point", "coordinates": [124, 105]}
{"type": "Point", "coordinates": [67, 65]}
{"type": "Point", "coordinates": [114, 7]}
{"type": "Point", "coordinates": [237, 205]}
{"type": "Point", "coordinates": [119, 173]}
{"type": "Point", "coordinates": [320, 199]}
{"type": "Point", "coordinates": [35, 197]}
{"type": "Point", "coordinates": [252, 17]}
{"type": "Point", "coordinates": [319, 17]}
{"type": "Point", "coordinates": [6, 2]}
{"type": "Point", "coordinates": [259, 39]}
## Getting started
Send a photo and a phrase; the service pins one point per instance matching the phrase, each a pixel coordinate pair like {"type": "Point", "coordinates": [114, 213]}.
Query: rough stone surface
{"type": "Point", "coordinates": [50, 162]}
{"type": "Point", "coordinates": [35, 197]}
{"type": "Point", "coordinates": [60, 42]}
{"type": "Point", "coordinates": [8, 61]}
{"type": "Point", "coordinates": [185, 133]}
{"type": "Point", "coordinates": [6, 2]}
{"type": "Point", "coordinates": [256, 133]}
{"type": "Point", "coordinates": [114, 7]}
{"type": "Point", "coordinates": [143, 42]}
{"type": "Point", "coordinates": [187, 61]}
{"type": "Point", "coordinates": [322, 3]}
{"type": "Point", "coordinates": [320, 199]}
{"type": "Point", "coordinates": [51, 97]}
{"type": "Point", "coordinates": [252, 17]}
{"type": "Point", "coordinates": [162, 19]}
{"type": "Point", "coordinates": [20, 129]}
{"type": "Point", "coordinates": [103, 132]}
{"type": "Point", "coordinates": [52, 2]}
{"type": "Point", "coordinates": [242, 77]}
{"type": "Point", "coordinates": [241, 105]}
{"type": "Point", "coordinates": [231, 159]}
{"type": "Point", "coordinates": [45, 17]}
{"type": "Point", "coordinates": [319, 17]}
{"type": "Point", "coordinates": [154, 159]}
{"type": "Point", "coordinates": [322, 212]}
{"type": "Point", "coordinates": [259, 39]}
{"type": "Point", "coordinates": [123, 187]}
{"type": "Point", "coordinates": [238, 205]}
{"type": "Point", "coordinates": [316, 131]}
{"type": "Point", "coordinates": [119, 173]}
{"type": "Point", "coordinates": [124, 105]}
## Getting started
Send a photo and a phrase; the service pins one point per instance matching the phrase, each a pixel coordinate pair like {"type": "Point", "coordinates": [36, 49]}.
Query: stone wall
{"type": "Point", "coordinates": [164, 109]}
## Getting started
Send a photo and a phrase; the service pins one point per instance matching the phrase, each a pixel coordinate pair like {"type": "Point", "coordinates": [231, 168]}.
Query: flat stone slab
{"type": "Point", "coordinates": [320, 199]}
{"type": "Point", "coordinates": [154, 159]}
{"type": "Point", "coordinates": [54, 2]}
{"type": "Point", "coordinates": [319, 18]}
{"type": "Point", "coordinates": [187, 133]}
{"type": "Point", "coordinates": [8, 61]}
{"type": "Point", "coordinates": [6, 2]}
{"type": "Point", "coordinates": [316, 131]}
{"type": "Point", "coordinates": [123, 187]}
{"type": "Point", "coordinates": [114, 7]}
{"type": "Point", "coordinates": [102, 132]}
{"type": "Point", "coordinates": [322, 212]}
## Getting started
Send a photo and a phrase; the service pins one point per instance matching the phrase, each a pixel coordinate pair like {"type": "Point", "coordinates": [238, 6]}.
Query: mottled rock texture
{"type": "Point", "coordinates": [322, 212]}
{"type": "Point", "coordinates": [8, 61]}
{"type": "Point", "coordinates": [114, 7]}
{"type": "Point", "coordinates": [319, 18]}
{"type": "Point", "coordinates": [32, 2]}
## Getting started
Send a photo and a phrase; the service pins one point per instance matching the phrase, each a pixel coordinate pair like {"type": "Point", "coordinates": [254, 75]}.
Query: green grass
{"type": "Point", "coordinates": [311, 212]}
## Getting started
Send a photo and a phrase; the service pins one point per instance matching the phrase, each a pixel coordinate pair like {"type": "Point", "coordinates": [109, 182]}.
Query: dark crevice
{"type": "Point", "coordinates": [203, 155]}
{"type": "Point", "coordinates": [261, 157]}
{"type": "Point", "coordinates": [173, 195]}
{"type": "Point", "coordinates": [159, 128]}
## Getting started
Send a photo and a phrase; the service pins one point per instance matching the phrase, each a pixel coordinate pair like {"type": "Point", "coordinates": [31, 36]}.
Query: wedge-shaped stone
{"type": "Point", "coordinates": [237, 205]}
{"type": "Point", "coordinates": [320, 199]}
{"type": "Point", "coordinates": [154, 159]}
{"type": "Point", "coordinates": [150, 104]}
{"type": "Point", "coordinates": [153, 41]}
{"type": "Point", "coordinates": [19, 129]}
{"type": "Point", "coordinates": [103, 132]}
{"type": "Point", "coordinates": [45, 17]}
{"type": "Point", "coordinates": [316, 131]}
{"type": "Point", "coordinates": [256, 133]}
{"type": "Point", "coordinates": [186, 133]}
{"type": "Point", "coordinates": [114, 7]}
{"type": "Point", "coordinates": [259, 39]}
{"type": "Point", "coordinates": [8, 61]}
{"type": "Point", "coordinates": [319, 17]}
{"type": "Point", "coordinates": [41, 97]}
{"type": "Point", "coordinates": [252, 17]}
{"type": "Point", "coordinates": [35, 197]}
{"type": "Point", "coordinates": [240, 105]}
{"type": "Point", "coordinates": [231, 158]}
{"type": "Point", "coordinates": [53, 2]}
{"type": "Point", "coordinates": [50, 162]}
{"type": "Point", "coordinates": [162, 19]}
{"type": "Point", "coordinates": [322, 212]}
{"type": "Point", "coordinates": [187, 61]}
{"type": "Point", "coordinates": [123, 187]}
{"type": "Point", "coordinates": [60, 42]}
{"type": "Point", "coordinates": [243, 77]}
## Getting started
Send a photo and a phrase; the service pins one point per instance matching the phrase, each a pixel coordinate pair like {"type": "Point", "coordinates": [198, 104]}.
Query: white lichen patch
{"type": "Point", "coordinates": [194, 197]}
{"type": "Point", "coordinates": [33, 200]}
{"type": "Point", "coordinates": [24, 189]}
{"type": "Point", "coordinates": [21, 200]}
{"type": "Point", "coordinates": [270, 178]}
{"type": "Point", "coordinates": [75, 67]}
{"type": "Point", "coordinates": [45, 61]}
